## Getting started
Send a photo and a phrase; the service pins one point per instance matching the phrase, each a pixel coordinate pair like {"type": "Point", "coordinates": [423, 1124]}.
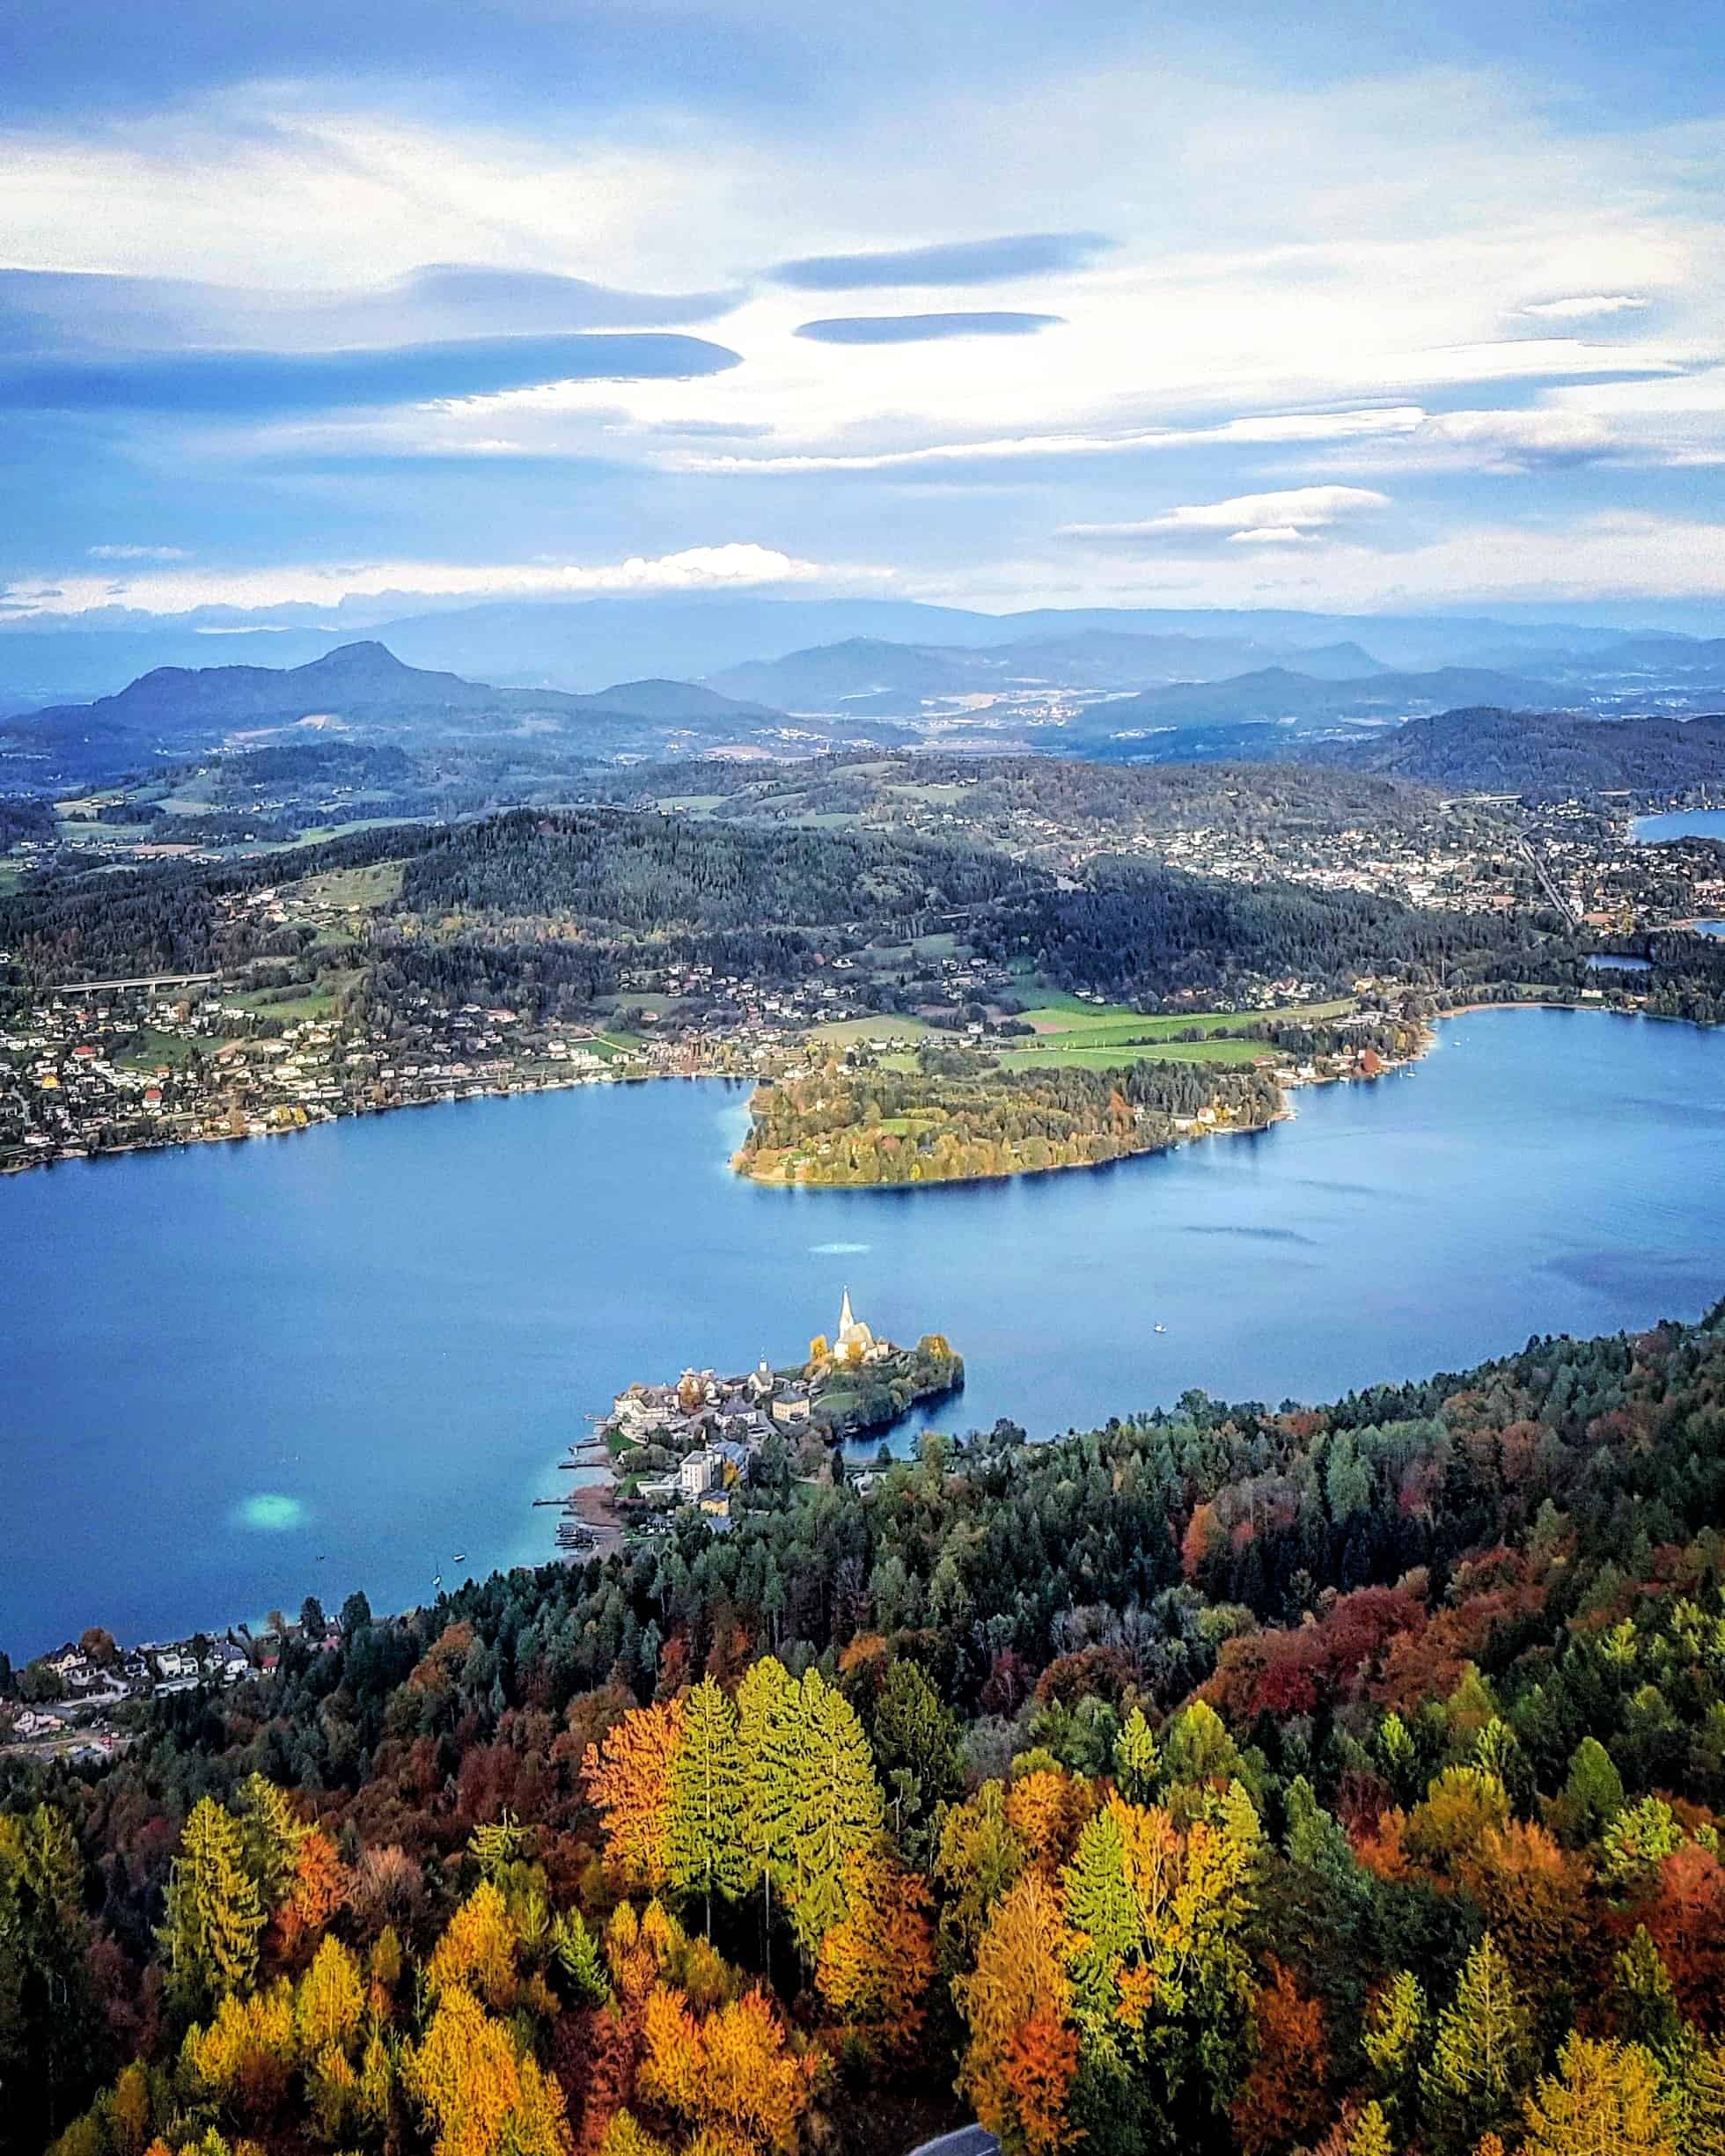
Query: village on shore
{"type": "Point", "coordinates": [693, 1442]}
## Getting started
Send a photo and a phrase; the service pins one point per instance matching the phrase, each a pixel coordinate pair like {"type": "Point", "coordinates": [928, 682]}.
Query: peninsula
{"type": "Point", "coordinates": [692, 1442]}
{"type": "Point", "coordinates": [850, 1124]}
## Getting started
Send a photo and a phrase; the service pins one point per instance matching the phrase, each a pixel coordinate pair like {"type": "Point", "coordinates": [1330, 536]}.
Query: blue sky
{"type": "Point", "coordinates": [1003, 306]}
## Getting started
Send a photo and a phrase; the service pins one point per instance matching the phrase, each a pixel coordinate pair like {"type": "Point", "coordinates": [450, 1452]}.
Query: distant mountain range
{"type": "Point", "coordinates": [1550, 753]}
{"type": "Point", "coordinates": [365, 688]}
{"type": "Point", "coordinates": [1275, 695]}
{"type": "Point", "coordinates": [1464, 728]}
{"type": "Point", "coordinates": [580, 646]}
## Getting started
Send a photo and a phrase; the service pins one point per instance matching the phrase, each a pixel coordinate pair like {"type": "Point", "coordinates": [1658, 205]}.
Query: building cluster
{"type": "Point", "coordinates": [66, 1702]}
{"type": "Point", "coordinates": [711, 1428]}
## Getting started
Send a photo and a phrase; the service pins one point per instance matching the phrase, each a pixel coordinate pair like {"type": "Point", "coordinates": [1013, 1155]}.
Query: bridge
{"type": "Point", "coordinates": [140, 980]}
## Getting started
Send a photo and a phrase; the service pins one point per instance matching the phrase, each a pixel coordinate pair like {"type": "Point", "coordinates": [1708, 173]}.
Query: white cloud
{"type": "Point", "coordinates": [1615, 556]}
{"type": "Point", "coordinates": [138, 554]}
{"type": "Point", "coordinates": [1585, 307]}
{"type": "Point", "coordinates": [1250, 518]}
{"type": "Point", "coordinates": [1268, 429]}
{"type": "Point", "coordinates": [736, 564]}
{"type": "Point", "coordinates": [1284, 335]}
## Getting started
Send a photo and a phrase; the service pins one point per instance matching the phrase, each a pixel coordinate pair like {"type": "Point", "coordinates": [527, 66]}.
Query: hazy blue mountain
{"type": "Point", "coordinates": [827, 676]}
{"type": "Point", "coordinates": [362, 688]}
{"type": "Point", "coordinates": [1544, 753]}
{"type": "Point", "coordinates": [676, 701]}
{"type": "Point", "coordinates": [1279, 692]}
{"type": "Point", "coordinates": [580, 645]}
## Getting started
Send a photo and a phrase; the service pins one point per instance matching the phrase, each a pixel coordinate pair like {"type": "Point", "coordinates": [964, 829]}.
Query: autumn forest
{"type": "Point", "coordinates": [1346, 1779]}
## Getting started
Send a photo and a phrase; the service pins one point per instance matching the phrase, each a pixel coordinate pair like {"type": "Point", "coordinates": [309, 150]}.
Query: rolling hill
{"type": "Point", "coordinates": [361, 688]}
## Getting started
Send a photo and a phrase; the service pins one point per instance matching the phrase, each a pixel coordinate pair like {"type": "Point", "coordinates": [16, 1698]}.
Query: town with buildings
{"type": "Point", "coordinates": [695, 1441]}
{"type": "Point", "coordinates": [102, 1067]}
{"type": "Point", "coordinates": [79, 1703]}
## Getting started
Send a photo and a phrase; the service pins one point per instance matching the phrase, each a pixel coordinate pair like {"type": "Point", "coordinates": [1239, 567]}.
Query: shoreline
{"type": "Point", "coordinates": [47, 1159]}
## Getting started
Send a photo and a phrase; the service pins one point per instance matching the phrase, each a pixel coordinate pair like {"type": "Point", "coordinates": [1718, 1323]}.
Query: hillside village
{"type": "Point", "coordinates": [695, 1441]}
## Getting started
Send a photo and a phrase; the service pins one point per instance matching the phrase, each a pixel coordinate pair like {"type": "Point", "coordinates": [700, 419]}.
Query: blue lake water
{"type": "Point", "coordinates": [234, 1375]}
{"type": "Point", "coordinates": [1680, 823]}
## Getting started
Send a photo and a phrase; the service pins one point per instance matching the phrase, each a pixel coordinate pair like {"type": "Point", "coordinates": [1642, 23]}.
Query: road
{"type": "Point", "coordinates": [967, 2141]}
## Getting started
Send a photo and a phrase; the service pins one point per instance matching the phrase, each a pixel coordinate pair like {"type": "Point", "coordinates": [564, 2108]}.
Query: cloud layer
{"type": "Point", "coordinates": [954, 262]}
{"type": "Point", "coordinates": [286, 310]}
{"type": "Point", "coordinates": [922, 328]}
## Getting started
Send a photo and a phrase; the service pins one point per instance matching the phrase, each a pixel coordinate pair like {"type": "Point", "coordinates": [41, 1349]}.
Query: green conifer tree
{"type": "Point", "coordinates": [707, 1801]}
{"type": "Point", "coordinates": [1371, 2136]}
{"type": "Point", "coordinates": [824, 1779]}
{"type": "Point", "coordinates": [1136, 1759]}
{"type": "Point", "coordinates": [215, 1913]}
{"type": "Point", "coordinates": [1482, 2055]}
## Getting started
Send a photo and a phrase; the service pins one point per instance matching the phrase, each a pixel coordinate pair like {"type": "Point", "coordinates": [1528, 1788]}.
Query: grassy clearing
{"type": "Point", "coordinates": [380, 884]}
{"type": "Point", "coordinates": [1106, 1037]}
{"type": "Point", "coordinates": [157, 1048]}
{"type": "Point", "coordinates": [886, 1025]}
{"type": "Point", "coordinates": [315, 1003]}
{"type": "Point", "coordinates": [1056, 1056]}
{"type": "Point", "coordinates": [1110, 1025]}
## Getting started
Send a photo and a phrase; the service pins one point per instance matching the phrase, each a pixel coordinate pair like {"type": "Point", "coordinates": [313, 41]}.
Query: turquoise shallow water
{"type": "Point", "coordinates": [1680, 823]}
{"type": "Point", "coordinates": [232, 1376]}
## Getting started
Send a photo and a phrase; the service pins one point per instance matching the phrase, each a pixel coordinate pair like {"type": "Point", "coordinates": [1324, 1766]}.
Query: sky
{"type": "Point", "coordinates": [1000, 305]}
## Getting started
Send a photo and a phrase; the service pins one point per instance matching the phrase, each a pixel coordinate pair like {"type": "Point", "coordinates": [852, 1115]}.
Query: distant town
{"type": "Point", "coordinates": [131, 1063]}
{"type": "Point", "coordinates": [696, 1441]}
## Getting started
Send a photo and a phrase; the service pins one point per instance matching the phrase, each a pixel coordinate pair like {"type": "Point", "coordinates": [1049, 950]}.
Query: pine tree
{"type": "Point", "coordinates": [1022, 2055]}
{"type": "Point", "coordinates": [1603, 2101]}
{"type": "Point", "coordinates": [917, 1736]}
{"type": "Point", "coordinates": [214, 1914]}
{"type": "Point", "coordinates": [707, 1855]}
{"type": "Point", "coordinates": [1371, 2136]}
{"type": "Point", "coordinates": [1136, 1760]}
{"type": "Point", "coordinates": [330, 2002]}
{"type": "Point", "coordinates": [1701, 2107]}
{"type": "Point", "coordinates": [270, 1833]}
{"type": "Point", "coordinates": [577, 1954]}
{"type": "Point", "coordinates": [1647, 2006]}
{"type": "Point", "coordinates": [1395, 2031]}
{"type": "Point", "coordinates": [827, 1778]}
{"type": "Point", "coordinates": [765, 1700]}
{"type": "Point", "coordinates": [628, 1780]}
{"type": "Point", "coordinates": [1480, 2058]}
{"type": "Point", "coordinates": [1106, 1923]}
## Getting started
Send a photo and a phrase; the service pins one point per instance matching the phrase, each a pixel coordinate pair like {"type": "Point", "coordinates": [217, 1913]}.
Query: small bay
{"type": "Point", "coordinates": [1679, 824]}
{"type": "Point", "coordinates": [233, 1376]}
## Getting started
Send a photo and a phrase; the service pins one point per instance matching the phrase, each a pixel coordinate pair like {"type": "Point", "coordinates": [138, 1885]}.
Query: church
{"type": "Point", "coordinates": [852, 1343]}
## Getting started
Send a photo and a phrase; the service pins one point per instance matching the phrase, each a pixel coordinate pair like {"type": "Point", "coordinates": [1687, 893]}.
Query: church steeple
{"type": "Point", "coordinates": [845, 1321]}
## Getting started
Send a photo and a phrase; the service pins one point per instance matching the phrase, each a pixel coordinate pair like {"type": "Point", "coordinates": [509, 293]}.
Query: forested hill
{"type": "Point", "coordinates": [624, 872]}
{"type": "Point", "coordinates": [1132, 930]}
{"type": "Point", "coordinates": [1233, 1780]}
{"type": "Point", "coordinates": [648, 872]}
{"type": "Point", "coordinates": [1553, 754]}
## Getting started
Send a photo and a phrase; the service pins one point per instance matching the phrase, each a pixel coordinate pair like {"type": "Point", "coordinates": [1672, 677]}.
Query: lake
{"type": "Point", "coordinates": [231, 1375]}
{"type": "Point", "coordinates": [1679, 824]}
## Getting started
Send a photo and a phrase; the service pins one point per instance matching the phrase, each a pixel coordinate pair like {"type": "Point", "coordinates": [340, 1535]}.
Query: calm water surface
{"type": "Point", "coordinates": [1680, 823]}
{"type": "Point", "coordinates": [234, 1375]}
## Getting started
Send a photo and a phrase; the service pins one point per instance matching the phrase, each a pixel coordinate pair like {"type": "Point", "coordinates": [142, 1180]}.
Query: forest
{"type": "Point", "coordinates": [1544, 755]}
{"type": "Point", "coordinates": [1345, 1779]}
{"type": "Point", "coordinates": [849, 1125]}
{"type": "Point", "coordinates": [1133, 931]}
